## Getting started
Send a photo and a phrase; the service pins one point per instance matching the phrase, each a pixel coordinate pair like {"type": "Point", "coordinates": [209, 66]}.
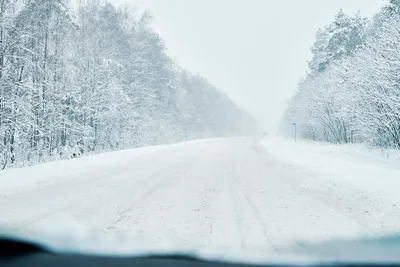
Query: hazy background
{"type": "Point", "coordinates": [254, 50]}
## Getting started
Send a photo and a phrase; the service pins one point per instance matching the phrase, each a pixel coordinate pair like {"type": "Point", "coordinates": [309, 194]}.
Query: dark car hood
{"type": "Point", "coordinates": [385, 249]}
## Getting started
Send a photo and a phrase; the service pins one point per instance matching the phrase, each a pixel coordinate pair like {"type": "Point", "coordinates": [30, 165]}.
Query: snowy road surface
{"type": "Point", "coordinates": [213, 193]}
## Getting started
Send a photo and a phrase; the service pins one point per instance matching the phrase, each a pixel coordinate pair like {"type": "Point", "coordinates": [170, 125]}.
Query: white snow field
{"type": "Point", "coordinates": [238, 193]}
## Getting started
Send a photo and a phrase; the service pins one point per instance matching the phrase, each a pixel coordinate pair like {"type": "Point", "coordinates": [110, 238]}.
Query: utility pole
{"type": "Point", "coordinates": [295, 131]}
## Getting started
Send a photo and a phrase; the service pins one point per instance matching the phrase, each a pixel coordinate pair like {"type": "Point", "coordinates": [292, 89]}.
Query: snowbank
{"type": "Point", "coordinates": [372, 170]}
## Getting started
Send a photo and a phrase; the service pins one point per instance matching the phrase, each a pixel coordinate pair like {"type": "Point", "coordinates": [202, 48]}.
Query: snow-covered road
{"type": "Point", "coordinates": [211, 193]}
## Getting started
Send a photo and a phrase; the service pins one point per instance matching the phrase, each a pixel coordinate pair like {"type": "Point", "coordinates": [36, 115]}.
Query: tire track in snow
{"type": "Point", "coordinates": [249, 223]}
{"type": "Point", "coordinates": [247, 206]}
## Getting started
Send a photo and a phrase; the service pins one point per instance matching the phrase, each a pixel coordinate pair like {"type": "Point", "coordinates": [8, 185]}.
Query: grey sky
{"type": "Point", "coordinates": [254, 50]}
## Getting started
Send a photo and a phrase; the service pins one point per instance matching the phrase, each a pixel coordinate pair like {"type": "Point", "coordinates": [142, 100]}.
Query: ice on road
{"type": "Point", "coordinates": [237, 193]}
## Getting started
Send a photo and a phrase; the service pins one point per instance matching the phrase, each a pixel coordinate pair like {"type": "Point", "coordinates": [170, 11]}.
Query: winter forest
{"type": "Point", "coordinates": [352, 91]}
{"type": "Point", "coordinates": [96, 77]}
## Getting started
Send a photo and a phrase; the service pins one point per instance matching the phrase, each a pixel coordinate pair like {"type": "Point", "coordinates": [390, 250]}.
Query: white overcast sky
{"type": "Point", "coordinates": [254, 50]}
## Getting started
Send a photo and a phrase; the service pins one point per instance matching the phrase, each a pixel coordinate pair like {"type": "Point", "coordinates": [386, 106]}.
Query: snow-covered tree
{"type": "Point", "coordinates": [96, 79]}
{"type": "Point", "coordinates": [356, 97]}
{"type": "Point", "coordinates": [339, 39]}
